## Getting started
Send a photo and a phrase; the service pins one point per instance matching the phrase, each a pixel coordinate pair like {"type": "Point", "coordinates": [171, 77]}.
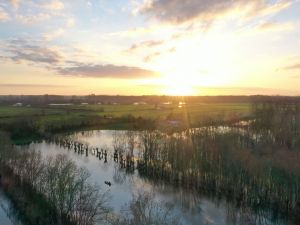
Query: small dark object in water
{"type": "Point", "coordinates": [107, 183]}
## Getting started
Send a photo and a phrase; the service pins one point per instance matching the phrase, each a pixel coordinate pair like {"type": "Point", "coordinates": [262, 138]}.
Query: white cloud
{"type": "Point", "coordinates": [54, 34]}
{"type": "Point", "coordinates": [30, 19]}
{"type": "Point", "coordinates": [15, 3]}
{"type": "Point", "coordinates": [31, 52]}
{"type": "Point", "coordinates": [3, 15]}
{"type": "Point", "coordinates": [274, 26]}
{"type": "Point", "coordinates": [54, 5]}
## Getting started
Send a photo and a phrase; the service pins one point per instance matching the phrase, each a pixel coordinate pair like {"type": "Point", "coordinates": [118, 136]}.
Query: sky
{"type": "Point", "coordinates": [150, 47]}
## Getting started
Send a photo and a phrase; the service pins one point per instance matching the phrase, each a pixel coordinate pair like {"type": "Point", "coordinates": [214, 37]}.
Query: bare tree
{"type": "Point", "coordinates": [69, 190]}
{"type": "Point", "coordinates": [144, 210]}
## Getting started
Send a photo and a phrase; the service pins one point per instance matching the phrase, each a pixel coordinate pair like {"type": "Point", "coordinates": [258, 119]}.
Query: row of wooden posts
{"type": "Point", "coordinates": [126, 161]}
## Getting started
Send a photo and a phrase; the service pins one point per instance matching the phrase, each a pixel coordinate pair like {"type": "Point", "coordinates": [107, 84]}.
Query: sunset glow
{"type": "Point", "coordinates": [150, 47]}
{"type": "Point", "coordinates": [178, 90]}
{"type": "Point", "coordinates": [150, 112]}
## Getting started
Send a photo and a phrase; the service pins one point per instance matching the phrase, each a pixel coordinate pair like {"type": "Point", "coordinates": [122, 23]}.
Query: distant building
{"type": "Point", "coordinates": [174, 123]}
{"type": "Point", "coordinates": [140, 103]}
{"type": "Point", "coordinates": [181, 104]}
{"type": "Point", "coordinates": [60, 104]}
{"type": "Point", "coordinates": [19, 104]}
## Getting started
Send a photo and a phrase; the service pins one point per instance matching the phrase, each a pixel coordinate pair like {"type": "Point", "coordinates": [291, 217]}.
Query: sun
{"type": "Point", "coordinates": [179, 83]}
{"type": "Point", "coordinates": [179, 90]}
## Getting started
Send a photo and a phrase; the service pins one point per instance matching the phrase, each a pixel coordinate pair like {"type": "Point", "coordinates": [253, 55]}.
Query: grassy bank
{"type": "Point", "coordinates": [31, 123]}
{"type": "Point", "coordinates": [194, 112]}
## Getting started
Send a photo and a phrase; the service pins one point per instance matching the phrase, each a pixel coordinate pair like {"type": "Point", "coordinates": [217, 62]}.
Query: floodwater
{"type": "Point", "coordinates": [193, 208]}
{"type": "Point", "coordinates": [7, 214]}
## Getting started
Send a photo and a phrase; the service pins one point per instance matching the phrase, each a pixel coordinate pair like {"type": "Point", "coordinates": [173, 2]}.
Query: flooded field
{"type": "Point", "coordinates": [7, 213]}
{"type": "Point", "coordinates": [116, 161]}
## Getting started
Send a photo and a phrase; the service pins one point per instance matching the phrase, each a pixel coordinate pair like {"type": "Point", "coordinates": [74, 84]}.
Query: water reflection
{"type": "Point", "coordinates": [126, 150]}
{"type": "Point", "coordinates": [8, 215]}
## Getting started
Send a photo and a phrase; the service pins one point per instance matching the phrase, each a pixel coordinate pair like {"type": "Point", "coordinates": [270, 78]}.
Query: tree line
{"type": "Point", "coordinates": [257, 165]}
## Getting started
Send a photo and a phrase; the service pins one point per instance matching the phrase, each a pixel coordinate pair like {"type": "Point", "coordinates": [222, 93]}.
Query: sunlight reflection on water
{"type": "Point", "coordinates": [192, 208]}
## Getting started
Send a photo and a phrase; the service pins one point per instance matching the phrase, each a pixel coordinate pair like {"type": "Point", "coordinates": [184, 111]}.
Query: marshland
{"type": "Point", "coordinates": [149, 112]}
{"type": "Point", "coordinates": [239, 164]}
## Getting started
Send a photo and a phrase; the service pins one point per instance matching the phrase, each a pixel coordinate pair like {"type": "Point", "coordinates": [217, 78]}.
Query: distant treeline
{"type": "Point", "coordinates": [39, 100]}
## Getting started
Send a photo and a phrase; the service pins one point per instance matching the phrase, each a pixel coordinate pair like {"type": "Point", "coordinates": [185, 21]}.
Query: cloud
{"type": "Point", "coordinates": [10, 85]}
{"type": "Point", "coordinates": [106, 71]}
{"type": "Point", "coordinates": [3, 15]}
{"type": "Point", "coordinates": [46, 4]}
{"type": "Point", "coordinates": [40, 11]}
{"type": "Point", "coordinates": [15, 3]}
{"type": "Point", "coordinates": [37, 53]}
{"type": "Point", "coordinates": [292, 67]}
{"type": "Point", "coordinates": [173, 49]}
{"type": "Point", "coordinates": [230, 90]}
{"type": "Point", "coordinates": [150, 57]}
{"type": "Point", "coordinates": [141, 31]}
{"type": "Point", "coordinates": [54, 5]}
{"type": "Point", "coordinates": [296, 77]}
{"type": "Point", "coordinates": [20, 50]}
{"type": "Point", "coordinates": [31, 19]}
{"type": "Point", "coordinates": [148, 44]}
{"type": "Point", "coordinates": [53, 35]}
{"type": "Point", "coordinates": [206, 11]}
{"type": "Point", "coordinates": [274, 26]}
{"type": "Point", "coordinates": [245, 91]}
{"type": "Point", "coordinates": [70, 22]}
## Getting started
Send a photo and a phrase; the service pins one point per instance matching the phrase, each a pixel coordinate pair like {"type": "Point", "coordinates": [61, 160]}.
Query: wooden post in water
{"type": "Point", "coordinates": [105, 156]}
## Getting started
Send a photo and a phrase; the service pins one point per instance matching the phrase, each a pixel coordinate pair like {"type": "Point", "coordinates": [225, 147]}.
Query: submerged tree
{"type": "Point", "coordinates": [57, 181]}
{"type": "Point", "coordinates": [144, 210]}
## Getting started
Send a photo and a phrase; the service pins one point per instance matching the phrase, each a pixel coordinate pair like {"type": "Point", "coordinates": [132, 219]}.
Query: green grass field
{"type": "Point", "coordinates": [145, 111]}
{"type": "Point", "coordinates": [191, 113]}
